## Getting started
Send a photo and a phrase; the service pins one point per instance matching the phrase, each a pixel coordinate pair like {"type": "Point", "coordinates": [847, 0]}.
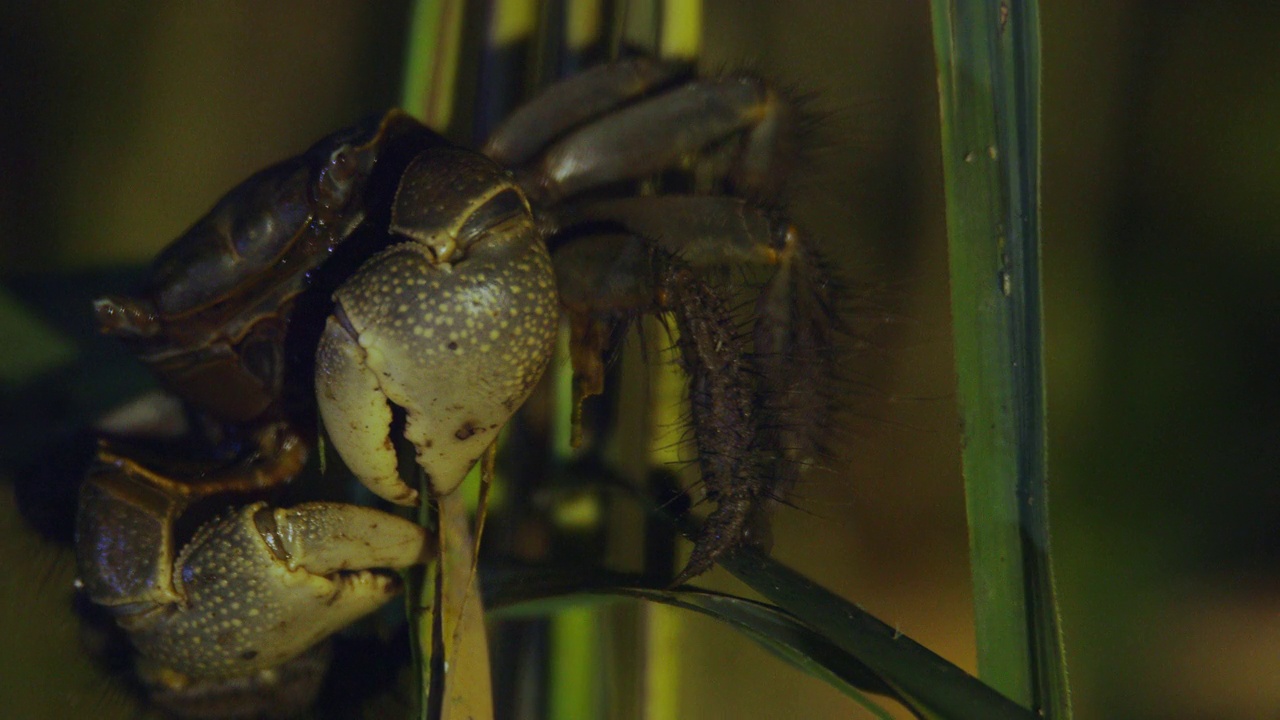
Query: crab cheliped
{"type": "Point", "coordinates": [386, 282]}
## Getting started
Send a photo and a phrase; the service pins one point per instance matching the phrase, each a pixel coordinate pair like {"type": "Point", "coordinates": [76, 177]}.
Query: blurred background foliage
{"type": "Point", "coordinates": [123, 122]}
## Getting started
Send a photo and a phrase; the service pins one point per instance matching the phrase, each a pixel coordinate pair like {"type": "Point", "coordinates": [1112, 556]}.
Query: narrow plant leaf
{"type": "Point", "coordinates": [930, 685]}
{"type": "Point", "coordinates": [785, 637]}
{"type": "Point", "coordinates": [925, 681]}
{"type": "Point", "coordinates": [988, 57]}
{"type": "Point", "coordinates": [775, 630]}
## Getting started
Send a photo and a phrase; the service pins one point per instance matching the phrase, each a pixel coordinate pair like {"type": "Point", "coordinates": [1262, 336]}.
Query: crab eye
{"type": "Point", "coordinates": [342, 164]}
{"type": "Point", "coordinates": [333, 184]}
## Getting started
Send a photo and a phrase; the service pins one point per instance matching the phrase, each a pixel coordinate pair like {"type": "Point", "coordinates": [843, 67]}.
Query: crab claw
{"type": "Point", "coordinates": [455, 327]}
{"type": "Point", "coordinates": [260, 586]}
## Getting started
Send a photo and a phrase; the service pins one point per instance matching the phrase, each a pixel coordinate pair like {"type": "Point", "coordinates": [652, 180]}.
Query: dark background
{"type": "Point", "coordinates": [121, 123]}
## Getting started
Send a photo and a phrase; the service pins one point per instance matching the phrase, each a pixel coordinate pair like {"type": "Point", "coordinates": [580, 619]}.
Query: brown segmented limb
{"type": "Point", "coordinates": [701, 230]}
{"type": "Point", "coordinates": [744, 132]}
{"type": "Point", "coordinates": [607, 279]}
{"type": "Point", "coordinates": [634, 119]}
{"type": "Point", "coordinates": [604, 281]}
{"type": "Point", "coordinates": [653, 135]}
{"type": "Point", "coordinates": [573, 101]}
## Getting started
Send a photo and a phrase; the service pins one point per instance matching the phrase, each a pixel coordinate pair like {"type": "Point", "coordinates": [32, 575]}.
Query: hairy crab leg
{"type": "Point", "coordinates": [599, 292]}
{"type": "Point", "coordinates": [793, 343]}
{"type": "Point", "coordinates": [757, 408]}
{"type": "Point", "coordinates": [724, 412]}
{"type": "Point", "coordinates": [795, 318]}
{"type": "Point", "coordinates": [604, 276]}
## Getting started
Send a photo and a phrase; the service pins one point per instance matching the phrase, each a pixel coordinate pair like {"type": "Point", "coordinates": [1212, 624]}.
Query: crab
{"type": "Point", "coordinates": [390, 287]}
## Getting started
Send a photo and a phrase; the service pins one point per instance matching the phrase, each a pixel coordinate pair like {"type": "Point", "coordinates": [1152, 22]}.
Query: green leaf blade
{"type": "Point", "coordinates": [988, 76]}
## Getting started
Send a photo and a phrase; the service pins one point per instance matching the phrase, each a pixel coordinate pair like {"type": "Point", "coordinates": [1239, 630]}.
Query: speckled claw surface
{"type": "Point", "coordinates": [259, 586]}
{"type": "Point", "coordinates": [251, 590]}
{"type": "Point", "coordinates": [455, 326]}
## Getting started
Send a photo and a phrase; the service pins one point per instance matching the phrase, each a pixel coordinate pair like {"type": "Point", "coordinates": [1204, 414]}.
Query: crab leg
{"type": "Point", "coordinates": [606, 279]}
{"type": "Point", "coordinates": [600, 292]}
{"type": "Point", "coordinates": [702, 230]}
{"type": "Point", "coordinates": [574, 101]}
{"type": "Point", "coordinates": [652, 135]}
{"type": "Point", "coordinates": [761, 166]}
{"type": "Point", "coordinates": [757, 407]}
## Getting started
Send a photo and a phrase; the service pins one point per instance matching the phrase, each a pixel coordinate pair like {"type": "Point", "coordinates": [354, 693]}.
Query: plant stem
{"type": "Point", "coordinates": [431, 61]}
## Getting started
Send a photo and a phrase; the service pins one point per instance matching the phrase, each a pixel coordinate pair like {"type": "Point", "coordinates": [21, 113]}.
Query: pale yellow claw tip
{"type": "Point", "coordinates": [405, 495]}
{"type": "Point", "coordinates": [355, 414]}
